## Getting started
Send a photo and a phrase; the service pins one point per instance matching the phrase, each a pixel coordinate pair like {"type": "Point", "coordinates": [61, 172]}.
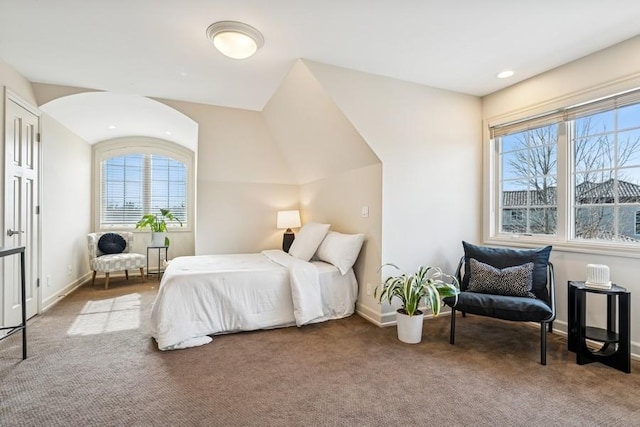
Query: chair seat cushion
{"type": "Point", "coordinates": [118, 262]}
{"type": "Point", "coordinates": [502, 307]}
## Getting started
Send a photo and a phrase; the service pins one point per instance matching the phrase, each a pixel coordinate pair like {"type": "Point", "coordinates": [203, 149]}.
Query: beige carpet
{"type": "Point", "coordinates": [92, 363]}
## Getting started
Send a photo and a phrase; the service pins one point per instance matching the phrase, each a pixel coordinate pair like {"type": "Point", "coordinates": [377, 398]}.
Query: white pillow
{"type": "Point", "coordinates": [340, 250]}
{"type": "Point", "coordinates": [308, 239]}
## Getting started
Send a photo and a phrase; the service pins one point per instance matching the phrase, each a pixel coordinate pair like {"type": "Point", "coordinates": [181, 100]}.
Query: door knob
{"type": "Point", "coordinates": [11, 232]}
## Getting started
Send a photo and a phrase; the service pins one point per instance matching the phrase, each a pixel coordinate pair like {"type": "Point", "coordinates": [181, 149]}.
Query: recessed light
{"type": "Point", "coordinates": [167, 132]}
{"type": "Point", "coordinates": [111, 127]}
{"type": "Point", "coordinates": [505, 74]}
{"type": "Point", "coordinates": [235, 39]}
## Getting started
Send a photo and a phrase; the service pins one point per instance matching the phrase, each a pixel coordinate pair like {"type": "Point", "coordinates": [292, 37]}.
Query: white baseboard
{"type": "Point", "coordinates": [386, 319]}
{"type": "Point", "coordinates": [54, 299]}
{"type": "Point", "coordinates": [368, 314]}
{"type": "Point", "coordinates": [559, 327]}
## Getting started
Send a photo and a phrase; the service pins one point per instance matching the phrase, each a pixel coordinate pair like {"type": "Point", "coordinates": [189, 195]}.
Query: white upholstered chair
{"type": "Point", "coordinates": [110, 262]}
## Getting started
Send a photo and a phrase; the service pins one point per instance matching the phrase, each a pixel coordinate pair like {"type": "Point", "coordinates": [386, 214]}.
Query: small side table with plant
{"type": "Point", "coordinates": [159, 239]}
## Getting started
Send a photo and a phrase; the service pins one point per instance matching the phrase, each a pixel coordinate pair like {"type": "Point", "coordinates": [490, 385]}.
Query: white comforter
{"type": "Point", "coordinates": [211, 294]}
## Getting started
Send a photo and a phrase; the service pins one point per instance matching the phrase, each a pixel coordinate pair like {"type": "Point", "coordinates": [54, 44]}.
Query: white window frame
{"type": "Point", "coordinates": [142, 145]}
{"type": "Point", "coordinates": [562, 240]}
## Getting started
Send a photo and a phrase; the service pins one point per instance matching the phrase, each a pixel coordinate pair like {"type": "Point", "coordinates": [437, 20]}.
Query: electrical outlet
{"type": "Point", "coordinates": [48, 280]}
{"type": "Point", "coordinates": [369, 289]}
{"type": "Point", "coordinates": [69, 270]}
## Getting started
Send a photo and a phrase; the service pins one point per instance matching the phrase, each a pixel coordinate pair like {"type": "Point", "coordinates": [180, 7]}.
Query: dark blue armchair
{"type": "Point", "coordinates": [507, 284]}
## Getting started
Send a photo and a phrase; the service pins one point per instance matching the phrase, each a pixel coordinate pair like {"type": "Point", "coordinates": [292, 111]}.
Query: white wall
{"type": "Point", "coordinates": [338, 200]}
{"type": "Point", "coordinates": [242, 180]}
{"type": "Point", "coordinates": [66, 210]}
{"type": "Point", "coordinates": [604, 73]}
{"type": "Point", "coordinates": [600, 74]}
{"type": "Point", "coordinates": [429, 142]}
{"type": "Point", "coordinates": [241, 217]}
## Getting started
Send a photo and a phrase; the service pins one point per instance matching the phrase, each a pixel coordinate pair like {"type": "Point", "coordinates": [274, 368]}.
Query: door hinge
{"type": "Point", "coordinates": [38, 137]}
{"type": "Point", "coordinates": [37, 282]}
{"type": "Point", "coordinates": [37, 210]}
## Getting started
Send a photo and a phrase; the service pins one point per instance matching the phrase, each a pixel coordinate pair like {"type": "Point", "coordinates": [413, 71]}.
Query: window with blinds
{"type": "Point", "coordinates": [582, 160]}
{"type": "Point", "coordinates": [528, 181]}
{"type": "Point", "coordinates": [135, 184]}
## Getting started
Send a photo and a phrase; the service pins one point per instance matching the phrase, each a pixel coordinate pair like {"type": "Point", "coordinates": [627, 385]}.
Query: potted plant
{"type": "Point", "coordinates": [428, 285]}
{"type": "Point", "coordinates": [158, 225]}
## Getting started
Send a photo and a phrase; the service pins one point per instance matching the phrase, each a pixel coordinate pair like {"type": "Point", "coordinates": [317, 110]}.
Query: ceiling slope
{"type": "Point", "coordinates": [312, 133]}
{"type": "Point", "coordinates": [159, 48]}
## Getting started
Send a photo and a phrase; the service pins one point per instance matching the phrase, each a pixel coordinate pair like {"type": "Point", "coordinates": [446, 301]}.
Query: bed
{"type": "Point", "coordinates": [206, 295]}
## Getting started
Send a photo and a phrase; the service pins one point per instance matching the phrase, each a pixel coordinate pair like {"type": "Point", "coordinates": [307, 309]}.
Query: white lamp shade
{"type": "Point", "coordinates": [288, 219]}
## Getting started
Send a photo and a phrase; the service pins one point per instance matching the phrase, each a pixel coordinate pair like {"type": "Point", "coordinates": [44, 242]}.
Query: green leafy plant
{"type": "Point", "coordinates": [158, 222]}
{"type": "Point", "coordinates": [428, 283]}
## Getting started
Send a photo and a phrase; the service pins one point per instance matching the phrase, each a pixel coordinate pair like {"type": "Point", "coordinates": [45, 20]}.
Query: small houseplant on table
{"type": "Point", "coordinates": [428, 284]}
{"type": "Point", "coordinates": [158, 225]}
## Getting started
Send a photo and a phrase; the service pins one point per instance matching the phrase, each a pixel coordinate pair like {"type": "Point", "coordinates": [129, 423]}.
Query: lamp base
{"type": "Point", "coordinates": [287, 240]}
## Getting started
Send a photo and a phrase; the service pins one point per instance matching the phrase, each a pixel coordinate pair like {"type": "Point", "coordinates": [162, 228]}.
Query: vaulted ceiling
{"type": "Point", "coordinates": [158, 48]}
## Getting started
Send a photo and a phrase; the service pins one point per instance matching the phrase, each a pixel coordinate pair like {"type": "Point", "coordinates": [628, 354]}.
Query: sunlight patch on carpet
{"type": "Point", "coordinates": [108, 315]}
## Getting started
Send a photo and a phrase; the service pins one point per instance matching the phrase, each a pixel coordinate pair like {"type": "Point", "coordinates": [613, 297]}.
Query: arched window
{"type": "Point", "coordinates": [135, 184]}
{"type": "Point", "coordinates": [140, 179]}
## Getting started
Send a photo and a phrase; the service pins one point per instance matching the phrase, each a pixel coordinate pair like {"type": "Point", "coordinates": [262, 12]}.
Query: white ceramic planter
{"type": "Point", "coordinates": [157, 238]}
{"type": "Point", "coordinates": [409, 327]}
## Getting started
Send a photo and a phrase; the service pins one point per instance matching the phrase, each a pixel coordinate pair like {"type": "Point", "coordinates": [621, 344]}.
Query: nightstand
{"type": "Point", "coordinates": [616, 341]}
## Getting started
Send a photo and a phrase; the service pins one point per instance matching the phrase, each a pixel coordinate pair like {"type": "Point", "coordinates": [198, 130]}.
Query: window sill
{"type": "Point", "coordinates": [145, 230]}
{"type": "Point", "coordinates": [576, 246]}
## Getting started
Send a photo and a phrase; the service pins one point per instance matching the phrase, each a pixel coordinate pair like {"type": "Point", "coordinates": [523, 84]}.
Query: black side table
{"type": "Point", "coordinates": [616, 342]}
{"type": "Point", "coordinates": [159, 248]}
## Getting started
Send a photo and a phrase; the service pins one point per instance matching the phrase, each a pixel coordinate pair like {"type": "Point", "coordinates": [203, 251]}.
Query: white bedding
{"type": "Point", "coordinates": [214, 294]}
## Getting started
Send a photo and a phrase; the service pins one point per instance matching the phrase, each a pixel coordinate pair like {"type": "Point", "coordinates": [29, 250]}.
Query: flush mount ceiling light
{"type": "Point", "coordinates": [505, 74]}
{"type": "Point", "coordinates": [235, 39]}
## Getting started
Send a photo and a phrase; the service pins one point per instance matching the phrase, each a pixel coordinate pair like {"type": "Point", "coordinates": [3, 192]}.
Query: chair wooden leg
{"type": "Point", "coordinates": [126, 274]}
{"type": "Point", "coordinates": [106, 280]}
{"type": "Point", "coordinates": [452, 333]}
{"type": "Point", "coordinates": [93, 279]}
{"type": "Point", "coordinates": [543, 343]}
{"type": "Point", "coordinates": [142, 274]}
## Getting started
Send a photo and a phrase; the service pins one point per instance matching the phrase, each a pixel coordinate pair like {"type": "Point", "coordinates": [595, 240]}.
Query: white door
{"type": "Point", "coordinates": [21, 228]}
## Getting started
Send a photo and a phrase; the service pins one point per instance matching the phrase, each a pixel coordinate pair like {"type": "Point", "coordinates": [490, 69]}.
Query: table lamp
{"type": "Point", "coordinates": [288, 220]}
